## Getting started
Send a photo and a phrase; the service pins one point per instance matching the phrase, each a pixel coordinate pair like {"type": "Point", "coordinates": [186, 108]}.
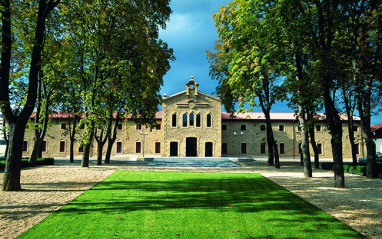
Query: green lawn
{"type": "Point", "coordinates": [189, 205]}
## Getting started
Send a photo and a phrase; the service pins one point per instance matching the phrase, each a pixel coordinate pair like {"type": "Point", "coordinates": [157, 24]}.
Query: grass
{"type": "Point", "coordinates": [189, 205]}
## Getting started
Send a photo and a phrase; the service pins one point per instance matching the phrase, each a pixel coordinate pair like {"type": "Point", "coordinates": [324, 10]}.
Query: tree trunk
{"type": "Point", "coordinates": [36, 151]}
{"type": "Point", "coordinates": [371, 171]}
{"type": "Point", "coordinates": [12, 171]}
{"type": "Point", "coordinates": [99, 152]}
{"type": "Point", "coordinates": [270, 142]}
{"type": "Point", "coordinates": [312, 136]}
{"type": "Point", "coordinates": [111, 139]}
{"type": "Point", "coordinates": [304, 143]}
{"type": "Point", "coordinates": [71, 150]}
{"type": "Point", "coordinates": [86, 155]}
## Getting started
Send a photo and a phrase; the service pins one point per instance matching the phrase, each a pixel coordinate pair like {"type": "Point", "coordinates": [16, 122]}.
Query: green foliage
{"type": "Point", "coordinates": [25, 162]}
{"type": "Point", "coordinates": [189, 205]}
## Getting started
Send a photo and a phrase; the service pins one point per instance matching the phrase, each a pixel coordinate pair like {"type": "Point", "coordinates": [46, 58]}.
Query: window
{"type": "Point", "coordinates": [224, 127]}
{"type": "Point", "coordinates": [262, 148]}
{"type": "Point", "coordinates": [209, 123]}
{"type": "Point", "coordinates": [157, 147]}
{"type": "Point", "coordinates": [192, 119]}
{"type": "Point", "coordinates": [224, 148]}
{"type": "Point", "coordinates": [138, 147]}
{"type": "Point", "coordinates": [319, 148]}
{"type": "Point", "coordinates": [355, 128]}
{"type": "Point", "coordinates": [184, 120]}
{"type": "Point", "coordinates": [318, 128]}
{"type": "Point", "coordinates": [119, 147]}
{"type": "Point", "coordinates": [243, 148]}
{"type": "Point", "coordinates": [119, 126]}
{"type": "Point", "coordinates": [158, 126]}
{"type": "Point", "coordinates": [82, 126]}
{"type": "Point", "coordinates": [299, 128]}
{"type": "Point", "coordinates": [81, 149]}
{"type": "Point", "coordinates": [43, 146]}
{"type": "Point", "coordinates": [62, 146]}
{"type": "Point", "coordinates": [281, 128]}
{"type": "Point", "coordinates": [138, 127]}
{"type": "Point", "coordinates": [356, 148]}
{"type": "Point", "coordinates": [262, 127]}
{"type": "Point", "coordinates": [282, 148]}
{"type": "Point", "coordinates": [63, 126]}
{"type": "Point", "coordinates": [198, 120]}
{"type": "Point", "coordinates": [25, 146]}
{"type": "Point", "coordinates": [173, 120]}
{"type": "Point", "coordinates": [243, 127]}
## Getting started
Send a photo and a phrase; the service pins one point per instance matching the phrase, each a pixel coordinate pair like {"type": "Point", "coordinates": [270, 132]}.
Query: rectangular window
{"type": "Point", "coordinates": [282, 148]}
{"type": "Point", "coordinates": [119, 147]}
{"type": "Point", "coordinates": [81, 149]}
{"type": "Point", "coordinates": [224, 127]}
{"type": "Point", "coordinates": [158, 126]}
{"type": "Point", "coordinates": [319, 148]}
{"type": "Point", "coordinates": [318, 128]}
{"type": "Point", "coordinates": [138, 147]}
{"type": "Point", "coordinates": [355, 128]}
{"type": "Point", "coordinates": [243, 148]}
{"type": "Point", "coordinates": [138, 127]}
{"type": "Point", "coordinates": [262, 148]}
{"type": "Point", "coordinates": [119, 126]}
{"type": "Point", "coordinates": [43, 146]}
{"type": "Point", "coordinates": [281, 128]}
{"type": "Point", "coordinates": [63, 126]}
{"type": "Point", "coordinates": [262, 127]}
{"type": "Point", "coordinates": [25, 146]}
{"type": "Point", "coordinates": [356, 148]}
{"type": "Point", "coordinates": [157, 147]}
{"type": "Point", "coordinates": [62, 146]}
{"type": "Point", "coordinates": [224, 148]}
{"type": "Point", "coordinates": [243, 127]}
{"type": "Point", "coordinates": [299, 128]}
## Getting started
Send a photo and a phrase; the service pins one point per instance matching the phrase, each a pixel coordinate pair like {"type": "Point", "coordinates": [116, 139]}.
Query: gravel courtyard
{"type": "Point", "coordinates": [47, 188]}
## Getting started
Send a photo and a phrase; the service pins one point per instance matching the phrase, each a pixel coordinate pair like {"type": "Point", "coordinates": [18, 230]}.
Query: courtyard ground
{"type": "Point", "coordinates": [46, 189]}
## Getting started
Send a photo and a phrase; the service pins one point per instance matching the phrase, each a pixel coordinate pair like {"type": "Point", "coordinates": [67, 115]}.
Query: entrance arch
{"type": "Point", "coordinates": [191, 147]}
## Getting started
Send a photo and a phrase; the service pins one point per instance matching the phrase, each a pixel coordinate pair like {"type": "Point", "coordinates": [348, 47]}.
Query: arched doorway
{"type": "Point", "coordinates": [209, 149]}
{"type": "Point", "coordinates": [191, 147]}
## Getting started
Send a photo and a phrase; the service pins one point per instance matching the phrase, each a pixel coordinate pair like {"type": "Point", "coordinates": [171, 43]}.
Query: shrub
{"type": "Point", "coordinates": [25, 163]}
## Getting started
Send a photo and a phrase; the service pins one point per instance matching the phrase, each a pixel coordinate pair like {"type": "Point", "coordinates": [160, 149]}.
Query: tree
{"type": "Point", "coordinates": [248, 54]}
{"type": "Point", "coordinates": [17, 120]}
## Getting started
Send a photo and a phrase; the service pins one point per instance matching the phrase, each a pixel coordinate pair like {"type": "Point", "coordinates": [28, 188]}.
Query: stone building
{"type": "Point", "coordinates": [191, 124]}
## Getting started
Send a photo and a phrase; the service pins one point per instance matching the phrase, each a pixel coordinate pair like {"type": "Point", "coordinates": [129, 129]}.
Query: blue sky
{"type": "Point", "coordinates": [190, 32]}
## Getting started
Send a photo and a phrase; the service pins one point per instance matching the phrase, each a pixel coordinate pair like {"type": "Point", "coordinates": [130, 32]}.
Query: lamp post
{"type": "Point", "coordinates": [144, 138]}
{"type": "Point", "coordinates": [238, 141]}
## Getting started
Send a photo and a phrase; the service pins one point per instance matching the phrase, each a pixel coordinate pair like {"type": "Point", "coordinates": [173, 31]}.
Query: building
{"type": "Point", "coordinates": [191, 124]}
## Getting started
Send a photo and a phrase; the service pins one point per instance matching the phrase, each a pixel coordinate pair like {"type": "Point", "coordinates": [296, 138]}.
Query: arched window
{"type": "Point", "coordinates": [192, 119]}
{"type": "Point", "coordinates": [184, 120]}
{"type": "Point", "coordinates": [209, 121]}
{"type": "Point", "coordinates": [198, 120]}
{"type": "Point", "coordinates": [173, 120]}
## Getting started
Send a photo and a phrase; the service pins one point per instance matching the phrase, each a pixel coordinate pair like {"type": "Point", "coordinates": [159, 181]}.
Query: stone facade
{"type": "Point", "coordinates": [191, 124]}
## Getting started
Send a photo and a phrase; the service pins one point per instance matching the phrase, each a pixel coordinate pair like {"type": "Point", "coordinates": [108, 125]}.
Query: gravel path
{"type": "Point", "coordinates": [46, 189]}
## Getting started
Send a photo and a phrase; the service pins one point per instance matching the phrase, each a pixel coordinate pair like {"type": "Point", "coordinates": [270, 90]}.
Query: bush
{"type": "Point", "coordinates": [25, 163]}
{"type": "Point", "coordinates": [359, 169]}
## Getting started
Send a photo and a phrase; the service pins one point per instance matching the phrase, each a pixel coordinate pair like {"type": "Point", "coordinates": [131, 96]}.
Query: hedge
{"type": "Point", "coordinates": [25, 164]}
{"type": "Point", "coordinates": [359, 169]}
